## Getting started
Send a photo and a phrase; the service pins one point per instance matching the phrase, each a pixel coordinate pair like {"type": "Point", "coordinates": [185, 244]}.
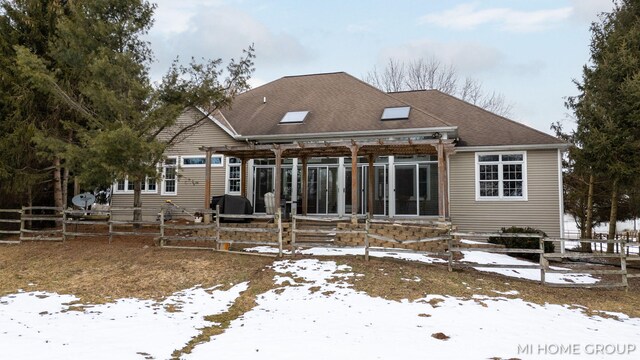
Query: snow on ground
{"type": "Point", "coordinates": [474, 257]}
{"type": "Point", "coordinates": [318, 251]}
{"type": "Point", "coordinates": [38, 325]}
{"type": "Point", "coordinates": [324, 318]}
{"type": "Point", "coordinates": [466, 241]}
{"type": "Point", "coordinates": [312, 314]}
{"type": "Point", "coordinates": [633, 248]}
{"type": "Point", "coordinates": [477, 257]}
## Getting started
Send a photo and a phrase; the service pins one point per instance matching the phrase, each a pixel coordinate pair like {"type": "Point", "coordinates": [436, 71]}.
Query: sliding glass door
{"type": "Point", "coordinates": [322, 196]}
{"type": "Point", "coordinates": [264, 182]}
{"type": "Point", "coordinates": [416, 189]}
{"type": "Point", "coordinates": [380, 181]}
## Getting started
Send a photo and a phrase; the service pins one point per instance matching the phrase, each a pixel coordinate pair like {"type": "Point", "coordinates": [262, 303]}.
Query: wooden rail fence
{"type": "Point", "coordinates": [53, 224]}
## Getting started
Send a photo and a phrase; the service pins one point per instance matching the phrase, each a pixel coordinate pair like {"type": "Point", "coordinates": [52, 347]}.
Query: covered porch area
{"type": "Point", "coordinates": [389, 178]}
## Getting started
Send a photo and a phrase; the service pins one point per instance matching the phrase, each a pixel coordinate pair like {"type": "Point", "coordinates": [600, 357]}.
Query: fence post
{"type": "Point", "coordinates": [217, 227]}
{"type": "Point", "coordinates": [161, 226]}
{"type": "Point", "coordinates": [543, 259]}
{"type": "Point", "coordinates": [293, 231]}
{"type": "Point", "coordinates": [64, 225]}
{"type": "Point", "coordinates": [279, 216]}
{"type": "Point", "coordinates": [22, 222]}
{"type": "Point", "coordinates": [367, 226]}
{"type": "Point", "coordinates": [623, 264]}
{"type": "Point", "coordinates": [449, 246]}
{"type": "Point", "coordinates": [110, 225]}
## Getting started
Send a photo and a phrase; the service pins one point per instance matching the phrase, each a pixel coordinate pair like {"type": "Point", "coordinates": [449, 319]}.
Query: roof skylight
{"type": "Point", "coordinates": [293, 117]}
{"type": "Point", "coordinates": [396, 113]}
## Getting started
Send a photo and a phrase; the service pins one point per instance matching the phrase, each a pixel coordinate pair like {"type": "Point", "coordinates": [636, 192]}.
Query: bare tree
{"type": "Point", "coordinates": [431, 73]}
{"type": "Point", "coordinates": [392, 78]}
{"type": "Point", "coordinates": [472, 92]}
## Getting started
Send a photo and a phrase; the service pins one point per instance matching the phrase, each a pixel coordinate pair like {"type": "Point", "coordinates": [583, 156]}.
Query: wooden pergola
{"type": "Point", "coordinates": [353, 148]}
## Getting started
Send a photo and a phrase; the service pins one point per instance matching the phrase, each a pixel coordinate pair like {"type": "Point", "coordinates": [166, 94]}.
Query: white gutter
{"type": "Point", "coordinates": [229, 130]}
{"type": "Point", "coordinates": [347, 134]}
{"type": "Point", "coordinates": [562, 146]}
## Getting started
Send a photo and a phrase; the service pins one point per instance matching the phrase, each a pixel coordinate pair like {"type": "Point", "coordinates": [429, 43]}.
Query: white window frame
{"type": "Point", "coordinates": [127, 191]}
{"type": "Point", "coordinates": [214, 156]}
{"type": "Point", "coordinates": [164, 172]}
{"type": "Point", "coordinates": [227, 178]}
{"type": "Point", "coordinates": [500, 163]}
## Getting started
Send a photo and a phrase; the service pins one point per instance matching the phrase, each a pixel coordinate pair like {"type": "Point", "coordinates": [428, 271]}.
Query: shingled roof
{"type": "Point", "coordinates": [476, 126]}
{"type": "Point", "coordinates": [337, 102]}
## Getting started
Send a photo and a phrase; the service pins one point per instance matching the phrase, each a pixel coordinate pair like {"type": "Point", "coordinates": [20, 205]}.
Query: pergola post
{"type": "Point", "coordinates": [371, 185]}
{"type": "Point", "coordinates": [278, 184]}
{"type": "Point", "coordinates": [443, 191]}
{"type": "Point", "coordinates": [354, 183]}
{"type": "Point", "coordinates": [305, 183]}
{"type": "Point", "coordinates": [243, 177]}
{"type": "Point", "coordinates": [207, 185]}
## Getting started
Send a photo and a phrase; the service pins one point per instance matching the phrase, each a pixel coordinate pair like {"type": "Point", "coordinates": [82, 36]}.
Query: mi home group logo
{"type": "Point", "coordinates": [578, 349]}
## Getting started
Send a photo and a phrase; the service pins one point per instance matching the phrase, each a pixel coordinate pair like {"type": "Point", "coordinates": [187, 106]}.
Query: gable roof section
{"type": "Point", "coordinates": [476, 126]}
{"type": "Point", "coordinates": [337, 102]}
{"type": "Point", "coordinates": [218, 118]}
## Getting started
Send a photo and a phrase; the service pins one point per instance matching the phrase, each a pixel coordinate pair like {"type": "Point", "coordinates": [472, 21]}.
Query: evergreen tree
{"type": "Point", "coordinates": [122, 122]}
{"type": "Point", "coordinates": [608, 106]}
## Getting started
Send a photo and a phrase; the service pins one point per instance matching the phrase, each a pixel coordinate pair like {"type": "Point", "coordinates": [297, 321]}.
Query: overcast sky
{"type": "Point", "coordinates": [527, 50]}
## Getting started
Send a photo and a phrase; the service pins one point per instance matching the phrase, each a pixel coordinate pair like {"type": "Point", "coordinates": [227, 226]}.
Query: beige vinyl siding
{"type": "Point", "coordinates": [190, 188]}
{"type": "Point", "coordinates": [541, 210]}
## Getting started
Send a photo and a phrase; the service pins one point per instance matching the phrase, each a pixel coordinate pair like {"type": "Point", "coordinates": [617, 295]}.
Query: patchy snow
{"type": "Point", "coordinates": [324, 317]}
{"type": "Point", "coordinates": [633, 248]}
{"type": "Point", "coordinates": [510, 292]}
{"type": "Point", "coordinates": [318, 251]}
{"type": "Point", "coordinates": [37, 325]}
{"type": "Point", "coordinates": [314, 313]}
{"type": "Point", "coordinates": [474, 257]}
{"type": "Point", "coordinates": [480, 257]}
{"type": "Point", "coordinates": [465, 241]}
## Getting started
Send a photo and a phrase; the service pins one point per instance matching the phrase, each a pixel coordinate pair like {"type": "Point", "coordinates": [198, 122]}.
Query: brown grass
{"type": "Point", "coordinates": [262, 281]}
{"type": "Point", "coordinates": [99, 272]}
{"type": "Point", "coordinates": [435, 279]}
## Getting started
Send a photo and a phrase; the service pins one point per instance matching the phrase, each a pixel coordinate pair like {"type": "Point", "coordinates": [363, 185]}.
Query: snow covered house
{"type": "Point", "coordinates": [330, 144]}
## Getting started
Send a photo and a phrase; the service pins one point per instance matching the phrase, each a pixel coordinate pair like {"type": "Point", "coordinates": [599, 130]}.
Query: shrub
{"type": "Point", "coordinates": [523, 242]}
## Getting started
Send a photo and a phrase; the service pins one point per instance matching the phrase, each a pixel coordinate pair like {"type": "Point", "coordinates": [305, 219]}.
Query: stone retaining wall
{"type": "Point", "coordinates": [398, 232]}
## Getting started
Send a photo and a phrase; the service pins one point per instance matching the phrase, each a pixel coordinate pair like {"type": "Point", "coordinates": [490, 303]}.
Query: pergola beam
{"type": "Point", "coordinates": [361, 144]}
{"type": "Point", "coordinates": [371, 148]}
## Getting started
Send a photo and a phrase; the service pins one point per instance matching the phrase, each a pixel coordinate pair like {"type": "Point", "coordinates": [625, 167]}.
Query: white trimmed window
{"type": "Point", "coordinates": [170, 176]}
{"type": "Point", "coordinates": [234, 173]}
{"type": "Point", "coordinates": [200, 161]}
{"type": "Point", "coordinates": [124, 186]}
{"type": "Point", "coordinates": [501, 176]}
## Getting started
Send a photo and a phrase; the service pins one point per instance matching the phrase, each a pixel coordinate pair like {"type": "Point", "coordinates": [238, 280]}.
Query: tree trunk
{"type": "Point", "coordinates": [57, 184]}
{"type": "Point", "coordinates": [76, 186]}
{"type": "Point", "coordinates": [613, 217]}
{"type": "Point", "coordinates": [30, 204]}
{"type": "Point", "coordinates": [137, 202]}
{"type": "Point", "coordinates": [57, 187]}
{"type": "Point", "coordinates": [586, 247]}
{"type": "Point", "coordinates": [65, 186]}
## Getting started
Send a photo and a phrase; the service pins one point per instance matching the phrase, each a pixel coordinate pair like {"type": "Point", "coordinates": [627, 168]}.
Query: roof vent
{"type": "Point", "coordinates": [293, 117]}
{"type": "Point", "coordinates": [396, 113]}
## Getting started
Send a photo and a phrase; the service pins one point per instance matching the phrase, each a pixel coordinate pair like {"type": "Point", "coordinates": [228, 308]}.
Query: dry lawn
{"type": "Point", "coordinates": [99, 272]}
{"type": "Point", "coordinates": [384, 278]}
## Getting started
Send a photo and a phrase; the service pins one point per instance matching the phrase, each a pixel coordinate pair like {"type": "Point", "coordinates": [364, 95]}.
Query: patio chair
{"type": "Point", "coordinates": [270, 203]}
